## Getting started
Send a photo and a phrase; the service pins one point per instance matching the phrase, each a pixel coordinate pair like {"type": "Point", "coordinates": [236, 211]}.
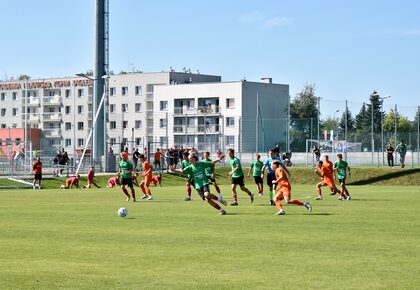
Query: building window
{"type": "Point", "coordinates": [67, 110]}
{"type": "Point", "coordinates": [230, 121]}
{"type": "Point", "coordinates": [67, 142]}
{"type": "Point", "coordinates": [124, 91]}
{"type": "Point", "coordinates": [80, 142]}
{"type": "Point", "coordinates": [3, 112]}
{"type": "Point", "coordinates": [14, 111]}
{"type": "Point", "coordinates": [138, 90]}
{"type": "Point", "coordinates": [230, 140]}
{"type": "Point", "coordinates": [14, 96]}
{"type": "Point", "coordinates": [138, 107]}
{"type": "Point", "coordinates": [124, 108]}
{"type": "Point", "coordinates": [138, 124]}
{"type": "Point", "coordinates": [138, 141]}
{"type": "Point", "coordinates": [163, 105]}
{"type": "Point", "coordinates": [80, 93]}
{"type": "Point", "coordinates": [163, 140]}
{"type": "Point", "coordinates": [111, 108]}
{"type": "Point", "coordinates": [18, 141]}
{"type": "Point", "coordinates": [112, 125]}
{"type": "Point", "coordinates": [162, 123]}
{"type": "Point", "coordinates": [230, 103]}
{"type": "Point", "coordinates": [80, 126]}
{"type": "Point", "coordinates": [113, 141]}
{"type": "Point", "coordinates": [112, 91]}
{"type": "Point", "coordinates": [80, 109]}
{"type": "Point", "coordinates": [67, 126]}
{"type": "Point", "coordinates": [125, 124]}
{"type": "Point", "coordinates": [68, 93]}
{"type": "Point", "coordinates": [8, 142]}
{"type": "Point", "coordinates": [3, 96]}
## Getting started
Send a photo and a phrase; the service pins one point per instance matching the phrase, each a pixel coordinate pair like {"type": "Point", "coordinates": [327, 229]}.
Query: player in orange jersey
{"type": "Point", "coordinates": [327, 179]}
{"type": "Point", "coordinates": [113, 181]}
{"type": "Point", "coordinates": [147, 174]}
{"type": "Point", "coordinates": [284, 189]}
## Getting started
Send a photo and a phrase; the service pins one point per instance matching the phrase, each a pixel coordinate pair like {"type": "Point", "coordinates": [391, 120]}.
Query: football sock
{"type": "Point", "coordinates": [188, 190]}
{"type": "Point", "coordinates": [213, 204]}
{"type": "Point", "coordinates": [217, 188]}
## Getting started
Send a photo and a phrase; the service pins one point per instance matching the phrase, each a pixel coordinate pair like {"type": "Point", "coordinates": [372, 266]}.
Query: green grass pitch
{"type": "Point", "coordinates": [73, 239]}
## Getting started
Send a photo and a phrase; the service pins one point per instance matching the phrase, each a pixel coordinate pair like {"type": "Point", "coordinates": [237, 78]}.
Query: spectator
{"type": "Point", "coordinates": [37, 168]}
{"type": "Point", "coordinates": [316, 152]}
{"type": "Point", "coordinates": [136, 155]}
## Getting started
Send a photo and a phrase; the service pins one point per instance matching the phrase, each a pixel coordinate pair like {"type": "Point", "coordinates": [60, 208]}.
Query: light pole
{"type": "Point", "coordinates": [25, 143]}
{"type": "Point", "coordinates": [336, 126]}
{"type": "Point", "coordinates": [382, 126]}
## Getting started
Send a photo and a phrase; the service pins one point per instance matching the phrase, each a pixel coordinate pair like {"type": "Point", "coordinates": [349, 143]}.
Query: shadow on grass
{"type": "Point", "coordinates": [384, 177]}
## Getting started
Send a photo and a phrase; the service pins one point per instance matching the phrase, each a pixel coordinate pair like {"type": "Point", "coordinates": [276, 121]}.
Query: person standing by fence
{"type": "Point", "coordinates": [37, 168]}
{"type": "Point", "coordinates": [402, 150]}
{"type": "Point", "coordinates": [390, 155]}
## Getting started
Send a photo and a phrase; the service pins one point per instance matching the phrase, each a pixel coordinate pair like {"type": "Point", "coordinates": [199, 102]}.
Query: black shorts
{"type": "Point", "coordinates": [38, 176]}
{"type": "Point", "coordinates": [342, 180]}
{"type": "Point", "coordinates": [270, 178]}
{"type": "Point", "coordinates": [190, 180]}
{"type": "Point", "coordinates": [202, 190]}
{"type": "Point", "coordinates": [157, 163]}
{"type": "Point", "coordinates": [127, 181]}
{"type": "Point", "coordinates": [238, 180]}
{"type": "Point", "coordinates": [258, 179]}
{"type": "Point", "coordinates": [211, 179]}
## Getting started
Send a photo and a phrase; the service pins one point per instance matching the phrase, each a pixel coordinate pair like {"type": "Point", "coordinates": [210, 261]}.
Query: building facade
{"type": "Point", "coordinates": [149, 109]}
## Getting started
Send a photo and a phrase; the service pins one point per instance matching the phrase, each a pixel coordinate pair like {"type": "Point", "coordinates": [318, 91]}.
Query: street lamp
{"type": "Point", "coordinates": [336, 127]}
{"type": "Point", "coordinates": [382, 126]}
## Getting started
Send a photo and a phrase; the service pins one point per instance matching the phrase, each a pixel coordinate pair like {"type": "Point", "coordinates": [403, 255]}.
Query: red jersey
{"type": "Point", "coordinates": [91, 174]}
{"type": "Point", "coordinates": [37, 167]}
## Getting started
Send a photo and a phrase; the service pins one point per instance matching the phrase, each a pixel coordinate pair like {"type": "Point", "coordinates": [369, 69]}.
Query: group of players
{"type": "Point", "coordinates": [201, 174]}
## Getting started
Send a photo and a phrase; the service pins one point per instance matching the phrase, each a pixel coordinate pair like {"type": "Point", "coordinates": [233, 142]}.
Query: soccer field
{"type": "Point", "coordinates": [73, 239]}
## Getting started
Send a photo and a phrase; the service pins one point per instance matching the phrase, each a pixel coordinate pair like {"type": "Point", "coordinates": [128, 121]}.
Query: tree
{"type": "Point", "coordinates": [351, 122]}
{"type": "Point", "coordinates": [23, 77]}
{"type": "Point", "coordinates": [362, 119]}
{"type": "Point", "coordinates": [304, 116]}
{"type": "Point", "coordinates": [403, 123]}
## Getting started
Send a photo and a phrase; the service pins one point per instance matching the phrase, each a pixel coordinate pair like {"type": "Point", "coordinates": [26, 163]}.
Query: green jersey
{"type": "Point", "coordinates": [341, 169]}
{"type": "Point", "coordinates": [198, 174]}
{"type": "Point", "coordinates": [257, 168]}
{"type": "Point", "coordinates": [210, 168]}
{"type": "Point", "coordinates": [185, 164]}
{"type": "Point", "coordinates": [401, 148]}
{"type": "Point", "coordinates": [236, 163]}
{"type": "Point", "coordinates": [126, 169]}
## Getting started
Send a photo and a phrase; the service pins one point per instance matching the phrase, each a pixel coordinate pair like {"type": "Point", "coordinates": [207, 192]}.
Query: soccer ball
{"type": "Point", "coordinates": [123, 212]}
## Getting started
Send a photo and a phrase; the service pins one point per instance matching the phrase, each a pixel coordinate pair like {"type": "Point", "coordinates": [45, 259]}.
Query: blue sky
{"type": "Point", "coordinates": [347, 48]}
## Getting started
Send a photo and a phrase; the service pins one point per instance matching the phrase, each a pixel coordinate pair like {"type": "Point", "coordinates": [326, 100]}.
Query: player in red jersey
{"type": "Point", "coordinates": [90, 178]}
{"type": "Point", "coordinates": [113, 181]}
{"type": "Point", "coordinates": [37, 168]}
{"type": "Point", "coordinates": [73, 180]}
{"type": "Point", "coordinates": [147, 174]}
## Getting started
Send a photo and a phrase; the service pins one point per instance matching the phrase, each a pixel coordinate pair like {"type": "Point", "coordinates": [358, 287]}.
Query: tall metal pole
{"type": "Point", "coordinates": [418, 135]}
{"type": "Point", "coordinates": [25, 131]}
{"type": "Point", "coordinates": [345, 131]}
{"type": "Point", "coordinates": [74, 122]}
{"type": "Point", "coordinates": [382, 131]}
{"type": "Point", "coordinates": [167, 135]}
{"type": "Point", "coordinates": [373, 140]}
{"type": "Point", "coordinates": [319, 113]}
{"type": "Point", "coordinates": [395, 130]}
{"type": "Point", "coordinates": [288, 127]}
{"type": "Point", "coordinates": [256, 126]}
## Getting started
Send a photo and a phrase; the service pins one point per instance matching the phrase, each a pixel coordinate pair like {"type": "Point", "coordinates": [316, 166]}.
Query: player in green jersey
{"type": "Point", "coordinates": [342, 168]}
{"type": "Point", "coordinates": [210, 173]}
{"type": "Point", "coordinates": [237, 177]}
{"type": "Point", "coordinates": [125, 171]}
{"type": "Point", "coordinates": [196, 170]}
{"type": "Point", "coordinates": [185, 163]}
{"type": "Point", "coordinates": [256, 168]}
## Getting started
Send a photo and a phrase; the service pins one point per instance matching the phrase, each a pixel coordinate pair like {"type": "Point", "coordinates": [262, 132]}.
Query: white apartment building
{"type": "Point", "coordinates": [165, 108]}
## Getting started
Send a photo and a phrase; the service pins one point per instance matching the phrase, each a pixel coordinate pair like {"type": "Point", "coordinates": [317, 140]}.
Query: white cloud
{"type": "Point", "coordinates": [276, 22]}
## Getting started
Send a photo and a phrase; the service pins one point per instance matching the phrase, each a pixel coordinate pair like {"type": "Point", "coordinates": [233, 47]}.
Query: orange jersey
{"type": "Point", "coordinates": [157, 156]}
{"type": "Point", "coordinates": [281, 178]}
{"type": "Point", "coordinates": [147, 169]}
{"type": "Point", "coordinates": [328, 170]}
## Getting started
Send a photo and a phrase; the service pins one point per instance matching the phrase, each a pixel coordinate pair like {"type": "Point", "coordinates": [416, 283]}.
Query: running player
{"type": "Point", "coordinates": [126, 172]}
{"type": "Point", "coordinates": [90, 178]}
{"type": "Point", "coordinates": [113, 181]}
{"type": "Point", "coordinates": [237, 177]}
{"type": "Point", "coordinates": [73, 180]}
{"type": "Point", "coordinates": [256, 168]}
{"type": "Point", "coordinates": [196, 170]}
{"type": "Point", "coordinates": [185, 163]}
{"type": "Point", "coordinates": [342, 168]}
{"type": "Point", "coordinates": [210, 173]}
{"type": "Point", "coordinates": [284, 189]}
{"type": "Point", "coordinates": [327, 178]}
{"type": "Point", "coordinates": [147, 173]}
{"type": "Point", "coordinates": [271, 174]}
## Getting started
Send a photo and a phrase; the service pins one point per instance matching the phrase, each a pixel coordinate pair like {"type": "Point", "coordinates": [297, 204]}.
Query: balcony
{"type": "Point", "coordinates": [31, 102]}
{"type": "Point", "coordinates": [208, 110]}
{"type": "Point", "coordinates": [52, 117]}
{"type": "Point", "coordinates": [52, 100]}
{"type": "Point", "coordinates": [185, 111]}
{"type": "Point", "coordinates": [33, 118]}
{"type": "Point", "coordinates": [52, 133]}
{"type": "Point", "coordinates": [197, 129]}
